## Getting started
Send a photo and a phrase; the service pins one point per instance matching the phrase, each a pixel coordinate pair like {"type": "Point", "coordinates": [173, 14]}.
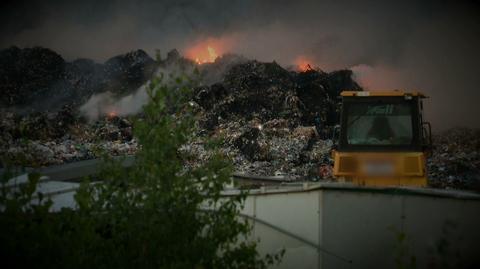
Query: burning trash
{"type": "Point", "coordinates": [210, 58]}
{"type": "Point", "coordinates": [303, 64]}
{"type": "Point", "coordinates": [208, 50]}
{"type": "Point", "coordinates": [273, 121]}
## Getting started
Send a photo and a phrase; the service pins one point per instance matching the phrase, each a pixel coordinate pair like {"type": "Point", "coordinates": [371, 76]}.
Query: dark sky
{"type": "Point", "coordinates": [431, 46]}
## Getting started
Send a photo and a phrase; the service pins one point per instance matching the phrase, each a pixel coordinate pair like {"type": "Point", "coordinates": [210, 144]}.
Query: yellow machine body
{"type": "Point", "coordinates": [398, 168]}
{"type": "Point", "coordinates": [381, 165]}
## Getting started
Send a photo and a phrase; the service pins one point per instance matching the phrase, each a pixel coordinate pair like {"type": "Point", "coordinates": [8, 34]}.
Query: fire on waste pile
{"type": "Point", "coordinates": [273, 121]}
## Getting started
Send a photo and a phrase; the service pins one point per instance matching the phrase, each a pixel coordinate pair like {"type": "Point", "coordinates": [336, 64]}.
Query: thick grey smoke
{"type": "Point", "coordinates": [432, 46]}
{"type": "Point", "coordinates": [107, 103]}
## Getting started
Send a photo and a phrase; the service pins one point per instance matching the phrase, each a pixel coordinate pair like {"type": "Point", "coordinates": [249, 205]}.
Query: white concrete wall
{"type": "Point", "coordinates": [363, 226]}
{"type": "Point", "coordinates": [325, 227]}
{"type": "Point", "coordinates": [297, 213]}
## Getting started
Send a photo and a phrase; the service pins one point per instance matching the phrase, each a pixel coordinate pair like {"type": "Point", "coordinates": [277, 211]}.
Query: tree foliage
{"type": "Point", "coordinates": [154, 214]}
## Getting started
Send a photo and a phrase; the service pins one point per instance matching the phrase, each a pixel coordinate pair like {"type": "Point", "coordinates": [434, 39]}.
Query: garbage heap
{"type": "Point", "coordinates": [50, 138]}
{"type": "Point", "coordinates": [38, 79]}
{"type": "Point", "coordinates": [273, 121]}
{"type": "Point", "coordinates": [455, 160]}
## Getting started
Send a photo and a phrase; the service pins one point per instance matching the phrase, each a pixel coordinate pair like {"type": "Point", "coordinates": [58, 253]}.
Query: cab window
{"type": "Point", "coordinates": [379, 124]}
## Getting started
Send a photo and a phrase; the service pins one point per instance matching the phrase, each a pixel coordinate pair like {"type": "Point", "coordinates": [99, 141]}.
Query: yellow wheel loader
{"type": "Point", "coordinates": [383, 139]}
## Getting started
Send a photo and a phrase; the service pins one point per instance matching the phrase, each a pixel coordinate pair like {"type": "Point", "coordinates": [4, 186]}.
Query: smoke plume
{"type": "Point", "coordinates": [430, 46]}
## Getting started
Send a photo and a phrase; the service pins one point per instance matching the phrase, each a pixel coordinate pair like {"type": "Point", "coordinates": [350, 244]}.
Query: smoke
{"type": "Point", "coordinates": [109, 104]}
{"type": "Point", "coordinates": [102, 104]}
{"type": "Point", "coordinates": [430, 46]}
{"type": "Point", "coordinates": [439, 59]}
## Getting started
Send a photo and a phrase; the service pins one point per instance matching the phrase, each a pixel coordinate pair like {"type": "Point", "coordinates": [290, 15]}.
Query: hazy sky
{"type": "Point", "coordinates": [432, 46]}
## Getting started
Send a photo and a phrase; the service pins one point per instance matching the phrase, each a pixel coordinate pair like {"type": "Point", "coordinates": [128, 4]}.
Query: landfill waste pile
{"type": "Point", "coordinates": [36, 79]}
{"type": "Point", "coordinates": [272, 121]}
{"type": "Point", "coordinates": [455, 159]}
{"type": "Point", "coordinates": [43, 139]}
{"type": "Point", "coordinates": [272, 149]}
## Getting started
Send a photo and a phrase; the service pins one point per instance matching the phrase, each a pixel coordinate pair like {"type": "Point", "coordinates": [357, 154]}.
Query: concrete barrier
{"type": "Point", "coordinates": [333, 225]}
{"type": "Point", "coordinates": [341, 226]}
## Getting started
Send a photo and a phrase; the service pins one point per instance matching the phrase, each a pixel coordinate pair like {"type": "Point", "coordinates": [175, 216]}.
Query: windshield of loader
{"type": "Point", "coordinates": [379, 123]}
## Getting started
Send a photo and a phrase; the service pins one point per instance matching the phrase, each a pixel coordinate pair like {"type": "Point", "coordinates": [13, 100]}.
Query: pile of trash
{"type": "Point", "coordinates": [37, 79]}
{"type": "Point", "coordinates": [266, 91]}
{"type": "Point", "coordinates": [273, 121]}
{"type": "Point", "coordinates": [43, 139]}
{"type": "Point", "coordinates": [269, 149]}
{"type": "Point", "coordinates": [455, 160]}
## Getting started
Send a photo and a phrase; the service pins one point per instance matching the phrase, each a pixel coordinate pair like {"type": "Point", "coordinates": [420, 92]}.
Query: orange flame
{"type": "Point", "coordinates": [112, 114]}
{"type": "Point", "coordinates": [208, 50]}
{"type": "Point", "coordinates": [207, 56]}
{"type": "Point", "coordinates": [303, 64]}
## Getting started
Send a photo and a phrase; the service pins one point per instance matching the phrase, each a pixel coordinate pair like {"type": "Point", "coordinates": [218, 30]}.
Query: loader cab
{"type": "Point", "coordinates": [383, 140]}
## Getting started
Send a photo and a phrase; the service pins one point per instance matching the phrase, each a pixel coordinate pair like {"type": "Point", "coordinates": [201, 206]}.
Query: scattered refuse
{"type": "Point", "coordinates": [455, 160]}
{"type": "Point", "coordinates": [273, 121]}
{"type": "Point", "coordinates": [40, 139]}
